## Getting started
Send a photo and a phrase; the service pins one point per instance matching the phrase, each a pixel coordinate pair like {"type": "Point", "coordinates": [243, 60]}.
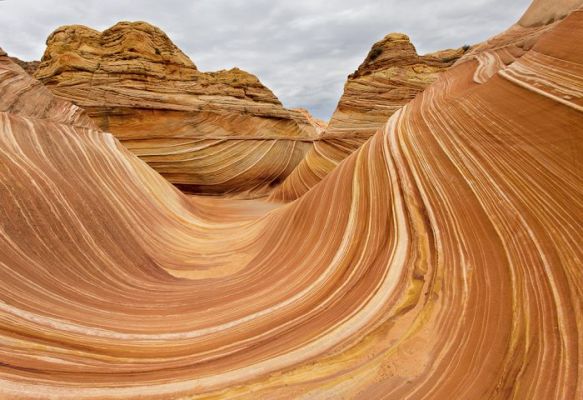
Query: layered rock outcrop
{"type": "Point", "coordinates": [440, 260]}
{"type": "Point", "coordinates": [29, 66]}
{"type": "Point", "coordinates": [213, 133]}
{"type": "Point", "coordinates": [318, 124]}
{"type": "Point", "coordinates": [391, 76]}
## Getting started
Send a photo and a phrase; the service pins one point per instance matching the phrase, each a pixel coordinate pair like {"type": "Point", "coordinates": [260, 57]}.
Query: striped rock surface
{"type": "Point", "coordinates": [442, 259]}
{"type": "Point", "coordinates": [212, 133]}
{"type": "Point", "coordinates": [391, 76]}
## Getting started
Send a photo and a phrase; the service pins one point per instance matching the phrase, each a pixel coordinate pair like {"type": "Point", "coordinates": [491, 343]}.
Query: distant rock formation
{"type": "Point", "coordinates": [391, 75]}
{"type": "Point", "coordinates": [29, 66]}
{"type": "Point", "coordinates": [318, 124]}
{"type": "Point", "coordinates": [213, 133]}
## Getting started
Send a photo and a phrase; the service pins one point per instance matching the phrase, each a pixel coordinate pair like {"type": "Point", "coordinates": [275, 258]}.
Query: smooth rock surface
{"type": "Point", "coordinates": [440, 260]}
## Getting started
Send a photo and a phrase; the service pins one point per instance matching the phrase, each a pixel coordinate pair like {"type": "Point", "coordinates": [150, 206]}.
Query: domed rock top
{"type": "Point", "coordinates": [394, 49]}
{"type": "Point", "coordinates": [135, 47]}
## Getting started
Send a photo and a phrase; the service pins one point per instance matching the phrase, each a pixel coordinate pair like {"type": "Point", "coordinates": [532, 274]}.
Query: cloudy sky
{"type": "Point", "coordinates": [301, 49]}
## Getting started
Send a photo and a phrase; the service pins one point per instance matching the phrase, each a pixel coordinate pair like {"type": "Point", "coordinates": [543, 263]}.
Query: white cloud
{"type": "Point", "coordinates": [302, 49]}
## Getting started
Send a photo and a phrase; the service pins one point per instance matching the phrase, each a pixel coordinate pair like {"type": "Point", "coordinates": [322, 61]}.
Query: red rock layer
{"type": "Point", "coordinates": [442, 259]}
{"type": "Point", "coordinates": [29, 66]}
{"type": "Point", "coordinates": [212, 133]}
{"type": "Point", "coordinates": [391, 75]}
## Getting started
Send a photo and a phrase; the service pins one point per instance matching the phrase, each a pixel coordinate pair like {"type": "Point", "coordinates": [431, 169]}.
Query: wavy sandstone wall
{"type": "Point", "coordinates": [29, 66]}
{"type": "Point", "coordinates": [440, 260]}
{"type": "Point", "coordinates": [212, 133]}
{"type": "Point", "coordinates": [391, 76]}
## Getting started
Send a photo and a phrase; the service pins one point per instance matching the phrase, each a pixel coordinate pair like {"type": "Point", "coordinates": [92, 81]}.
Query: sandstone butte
{"type": "Point", "coordinates": [391, 76]}
{"type": "Point", "coordinates": [211, 133]}
{"type": "Point", "coordinates": [440, 260]}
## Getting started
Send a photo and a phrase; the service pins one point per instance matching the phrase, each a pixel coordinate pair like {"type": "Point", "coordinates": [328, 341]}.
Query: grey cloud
{"type": "Point", "coordinates": [302, 49]}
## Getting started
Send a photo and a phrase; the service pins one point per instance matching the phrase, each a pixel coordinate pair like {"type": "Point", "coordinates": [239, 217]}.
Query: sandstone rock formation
{"type": "Point", "coordinates": [544, 12]}
{"type": "Point", "coordinates": [29, 66]}
{"type": "Point", "coordinates": [318, 124]}
{"type": "Point", "coordinates": [391, 75]}
{"type": "Point", "coordinates": [212, 133]}
{"type": "Point", "coordinates": [440, 260]}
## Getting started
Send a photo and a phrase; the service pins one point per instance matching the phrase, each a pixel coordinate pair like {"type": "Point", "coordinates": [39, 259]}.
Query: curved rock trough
{"type": "Point", "coordinates": [440, 260]}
